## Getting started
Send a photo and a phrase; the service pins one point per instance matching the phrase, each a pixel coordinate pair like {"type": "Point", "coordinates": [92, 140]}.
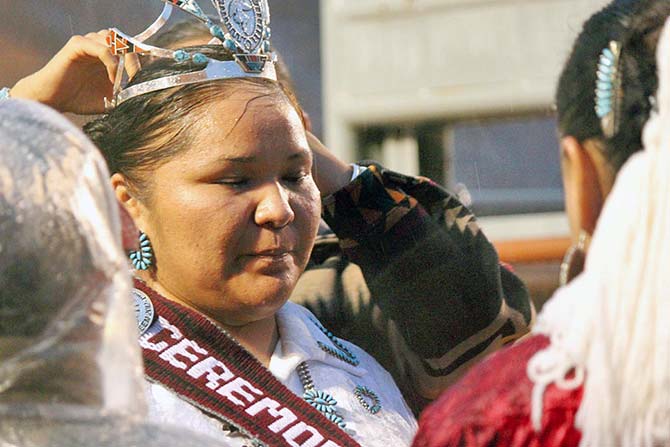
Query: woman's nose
{"type": "Point", "coordinates": [274, 209]}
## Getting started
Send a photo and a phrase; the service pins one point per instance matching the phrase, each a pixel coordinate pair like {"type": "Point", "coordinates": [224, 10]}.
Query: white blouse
{"type": "Point", "coordinates": [393, 426]}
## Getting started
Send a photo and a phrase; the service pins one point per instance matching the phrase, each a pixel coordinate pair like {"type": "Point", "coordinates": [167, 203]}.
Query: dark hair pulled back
{"type": "Point", "coordinates": [636, 25]}
{"type": "Point", "coordinates": [147, 130]}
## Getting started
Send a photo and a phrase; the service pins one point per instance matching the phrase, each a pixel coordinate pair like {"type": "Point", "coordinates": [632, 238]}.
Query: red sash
{"type": "Point", "coordinates": [191, 356]}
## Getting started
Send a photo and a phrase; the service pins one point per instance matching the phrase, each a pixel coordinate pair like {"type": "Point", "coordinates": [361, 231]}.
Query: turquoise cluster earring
{"type": "Point", "coordinates": [141, 258]}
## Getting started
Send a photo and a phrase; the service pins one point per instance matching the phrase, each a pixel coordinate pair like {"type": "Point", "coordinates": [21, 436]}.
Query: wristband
{"type": "Point", "coordinates": [4, 94]}
{"type": "Point", "coordinates": [358, 170]}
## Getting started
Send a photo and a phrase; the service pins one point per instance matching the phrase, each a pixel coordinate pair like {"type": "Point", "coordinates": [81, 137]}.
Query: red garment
{"type": "Point", "coordinates": [491, 406]}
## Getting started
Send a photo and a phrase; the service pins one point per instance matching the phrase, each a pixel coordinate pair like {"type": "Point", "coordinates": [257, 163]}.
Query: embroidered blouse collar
{"type": "Point", "coordinates": [298, 341]}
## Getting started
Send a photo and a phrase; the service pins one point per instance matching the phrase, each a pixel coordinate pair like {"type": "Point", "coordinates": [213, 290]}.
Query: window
{"type": "Point", "coordinates": [507, 165]}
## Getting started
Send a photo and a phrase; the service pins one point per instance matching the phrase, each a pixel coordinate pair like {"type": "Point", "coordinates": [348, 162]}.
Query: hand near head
{"type": "Point", "coordinates": [330, 173]}
{"type": "Point", "coordinates": [76, 79]}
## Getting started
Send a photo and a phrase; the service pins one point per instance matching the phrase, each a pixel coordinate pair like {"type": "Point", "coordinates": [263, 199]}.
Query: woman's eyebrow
{"type": "Point", "coordinates": [302, 154]}
{"type": "Point", "coordinates": [234, 159]}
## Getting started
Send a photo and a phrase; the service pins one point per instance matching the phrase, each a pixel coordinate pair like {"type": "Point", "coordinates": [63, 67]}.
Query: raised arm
{"type": "Point", "coordinates": [78, 78]}
{"type": "Point", "coordinates": [445, 301]}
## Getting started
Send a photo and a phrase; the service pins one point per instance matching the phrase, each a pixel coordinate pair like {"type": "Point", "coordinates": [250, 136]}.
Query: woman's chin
{"type": "Point", "coordinates": [266, 290]}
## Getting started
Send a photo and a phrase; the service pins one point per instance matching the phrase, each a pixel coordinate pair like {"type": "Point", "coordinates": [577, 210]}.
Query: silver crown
{"type": "Point", "coordinates": [243, 28]}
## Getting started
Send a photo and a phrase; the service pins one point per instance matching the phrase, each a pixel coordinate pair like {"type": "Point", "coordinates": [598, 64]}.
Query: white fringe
{"type": "Point", "coordinates": [613, 321]}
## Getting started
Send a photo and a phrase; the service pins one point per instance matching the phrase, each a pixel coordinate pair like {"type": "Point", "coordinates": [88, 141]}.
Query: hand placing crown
{"type": "Point", "coordinates": [243, 28]}
{"type": "Point", "coordinates": [92, 66]}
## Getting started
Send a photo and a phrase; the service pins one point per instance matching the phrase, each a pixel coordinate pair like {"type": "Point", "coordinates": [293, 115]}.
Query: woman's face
{"type": "Point", "coordinates": [233, 219]}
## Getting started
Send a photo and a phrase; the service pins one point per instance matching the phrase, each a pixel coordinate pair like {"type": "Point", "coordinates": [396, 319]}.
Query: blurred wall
{"type": "Point", "coordinates": [296, 32]}
{"type": "Point", "coordinates": [31, 31]}
{"type": "Point", "coordinates": [390, 61]}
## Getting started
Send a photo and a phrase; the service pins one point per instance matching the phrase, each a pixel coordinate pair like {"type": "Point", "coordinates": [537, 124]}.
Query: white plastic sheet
{"type": "Point", "coordinates": [70, 365]}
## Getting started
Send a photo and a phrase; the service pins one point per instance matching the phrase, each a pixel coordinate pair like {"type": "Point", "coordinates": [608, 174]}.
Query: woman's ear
{"type": "Point", "coordinates": [583, 194]}
{"type": "Point", "coordinates": [126, 198]}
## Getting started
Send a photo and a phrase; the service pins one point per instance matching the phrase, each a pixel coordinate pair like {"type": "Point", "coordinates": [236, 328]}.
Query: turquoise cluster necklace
{"type": "Point", "coordinates": [320, 400]}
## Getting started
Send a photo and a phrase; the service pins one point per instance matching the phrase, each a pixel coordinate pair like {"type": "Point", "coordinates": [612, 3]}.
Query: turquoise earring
{"type": "Point", "coordinates": [142, 258]}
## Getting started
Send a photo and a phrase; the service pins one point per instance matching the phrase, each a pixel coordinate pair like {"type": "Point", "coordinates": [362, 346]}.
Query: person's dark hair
{"type": "Point", "coordinates": [147, 130]}
{"type": "Point", "coordinates": [636, 26]}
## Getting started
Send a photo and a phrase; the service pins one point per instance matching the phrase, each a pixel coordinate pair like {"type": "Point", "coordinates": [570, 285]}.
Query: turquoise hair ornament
{"type": "Point", "coordinates": [141, 258]}
{"type": "Point", "coordinates": [608, 89]}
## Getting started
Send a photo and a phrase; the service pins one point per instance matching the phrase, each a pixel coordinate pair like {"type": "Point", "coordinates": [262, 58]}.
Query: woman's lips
{"type": "Point", "coordinates": [269, 261]}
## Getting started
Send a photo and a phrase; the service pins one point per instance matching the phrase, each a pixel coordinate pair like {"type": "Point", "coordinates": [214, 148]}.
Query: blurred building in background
{"type": "Point", "coordinates": [457, 90]}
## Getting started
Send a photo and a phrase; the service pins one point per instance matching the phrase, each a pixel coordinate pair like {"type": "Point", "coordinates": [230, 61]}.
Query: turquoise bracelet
{"type": "Point", "coordinates": [4, 94]}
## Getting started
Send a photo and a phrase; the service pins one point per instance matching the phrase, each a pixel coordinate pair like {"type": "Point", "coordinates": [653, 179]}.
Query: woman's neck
{"type": "Point", "coordinates": [258, 337]}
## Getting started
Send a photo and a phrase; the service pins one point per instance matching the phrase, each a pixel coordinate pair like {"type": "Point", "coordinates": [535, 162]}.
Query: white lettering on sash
{"type": "Point", "coordinates": [210, 366]}
{"type": "Point", "coordinates": [240, 387]}
{"type": "Point", "coordinates": [156, 329]}
{"type": "Point", "coordinates": [286, 416]}
{"type": "Point", "coordinates": [221, 379]}
{"type": "Point", "coordinates": [182, 349]}
{"type": "Point", "coordinates": [300, 429]}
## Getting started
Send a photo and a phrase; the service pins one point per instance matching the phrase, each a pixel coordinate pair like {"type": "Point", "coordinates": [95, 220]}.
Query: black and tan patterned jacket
{"type": "Point", "coordinates": [413, 280]}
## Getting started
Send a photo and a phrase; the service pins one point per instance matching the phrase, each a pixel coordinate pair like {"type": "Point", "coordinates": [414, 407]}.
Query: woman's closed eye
{"type": "Point", "coordinates": [234, 182]}
{"type": "Point", "coordinates": [296, 177]}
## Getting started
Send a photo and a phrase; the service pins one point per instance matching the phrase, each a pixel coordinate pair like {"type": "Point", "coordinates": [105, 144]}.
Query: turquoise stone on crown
{"type": "Point", "coordinates": [200, 59]}
{"type": "Point", "coordinates": [181, 56]}
{"type": "Point", "coordinates": [217, 32]}
{"type": "Point", "coordinates": [230, 45]}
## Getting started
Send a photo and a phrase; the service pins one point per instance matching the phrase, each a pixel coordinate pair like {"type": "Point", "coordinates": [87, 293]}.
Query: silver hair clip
{"type": "Point", "coordinates": [243, 28]}
{"type": "Point", "coordinates": [608, 89]}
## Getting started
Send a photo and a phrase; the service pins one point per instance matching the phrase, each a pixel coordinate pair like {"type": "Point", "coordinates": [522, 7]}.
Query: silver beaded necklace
{"type": "Point", "coordinates": [320, 400]}
{"type": "Point", "coordinates": [324, 402]}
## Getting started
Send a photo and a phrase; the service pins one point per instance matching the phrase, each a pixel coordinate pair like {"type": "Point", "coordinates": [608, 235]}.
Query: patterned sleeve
{"type": "Point", "coordinates": [444, 299]}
